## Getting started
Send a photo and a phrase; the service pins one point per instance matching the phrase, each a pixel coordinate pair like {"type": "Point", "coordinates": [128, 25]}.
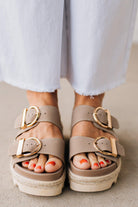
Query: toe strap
{"type": "Point", "coordinates": [27, 148]}
{"type": "Point", "coordinates": [81, 144]}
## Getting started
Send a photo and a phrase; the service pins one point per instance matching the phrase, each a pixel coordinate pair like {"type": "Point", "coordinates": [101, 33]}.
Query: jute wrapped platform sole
{"type": "Point", "coordinates": [93, 184]}
{"type": "Point", "coordinates": [30, 182]}
{"type": "Point", "coordinates": [101, 179]}
{"type": "Point", "coordinates": [38, 187]}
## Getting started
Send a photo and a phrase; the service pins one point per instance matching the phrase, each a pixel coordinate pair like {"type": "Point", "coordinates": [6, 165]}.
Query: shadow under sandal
{"type": "Point", "coordinates": [100, 179]}
{"type": "Point", "coordinates": [30, 182]}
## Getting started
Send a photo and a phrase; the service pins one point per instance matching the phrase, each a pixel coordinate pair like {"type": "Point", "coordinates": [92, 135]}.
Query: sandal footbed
{"type": "Point", "coordinates": [38, 176]}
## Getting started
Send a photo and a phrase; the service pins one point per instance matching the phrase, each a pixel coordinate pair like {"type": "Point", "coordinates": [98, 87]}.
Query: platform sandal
{"type": "Point", "coordinates": [30, 182]}
{"type": "Point", "coordinates": [99, 179]}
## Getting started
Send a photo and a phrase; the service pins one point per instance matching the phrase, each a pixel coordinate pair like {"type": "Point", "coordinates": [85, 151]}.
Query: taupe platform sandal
{"type": "Point", "coordinates": [103, 178]}
{"type": "Point", "coordinates": [30, 182]}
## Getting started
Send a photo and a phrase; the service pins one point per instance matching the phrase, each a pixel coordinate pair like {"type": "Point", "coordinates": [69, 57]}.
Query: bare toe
{"type": "Point", "coordinates": [40, 165]}
{"type": "Point", "coordinates": [53, 164]}
{"type": "Point", "coordinates": [81, 161]}
{"type": "Point", "coordinates": [25, 163]}
{"type": "Point", "coordinates": [108, 162]}
{"type": "Point", "coordinates": [32, 164]}
{"type": "Point", "coordinates": [93, 161]}
{"type": "Point", "coordinates": [102, 161]}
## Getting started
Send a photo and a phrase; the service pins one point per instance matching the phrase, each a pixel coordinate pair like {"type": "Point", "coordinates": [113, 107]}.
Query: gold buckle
{"type": "Point", "coordinates": [109, 125]}
{"type": "Point", "coordinates": [23, 124]}
{"type": "Point", "coordinates": [113, 146]}
{"type": "Point", "coordinates": [21, 144]}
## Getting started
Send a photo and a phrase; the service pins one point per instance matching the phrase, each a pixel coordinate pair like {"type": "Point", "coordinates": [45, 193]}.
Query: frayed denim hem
{"type": "Point", "coordinates": [25, 86]}
{"type": "Point", "coordinates": [96, 92]}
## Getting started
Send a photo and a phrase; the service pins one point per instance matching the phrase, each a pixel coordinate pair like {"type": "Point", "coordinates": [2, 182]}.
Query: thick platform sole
{"type": "Point", "coordinates": [36, 187]}
{"type": "Point", "coordinates": [93, 184]}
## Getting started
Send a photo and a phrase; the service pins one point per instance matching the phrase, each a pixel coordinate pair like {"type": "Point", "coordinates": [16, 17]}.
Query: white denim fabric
{"type": "Point", "coordinates": [86, 41]}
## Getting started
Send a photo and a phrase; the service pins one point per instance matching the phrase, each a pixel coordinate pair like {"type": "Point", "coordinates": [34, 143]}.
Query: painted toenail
{"type": "Point", "coordinates": [38, 167]}
{"type": "Point", "coordinates": [83, 160]}
{"type": "Point", "coordinates": [52, 163]}
{"type": "Point", "coordinates": [107, 161]}
{"type": "Point", "coordinates": [26, 163]}
{"type": "Point", "coordinates": [96, 164]}
{"type": "Point", "coordinates": [33, 165]}
{"type": "Point", "coordinates": [102, 163]}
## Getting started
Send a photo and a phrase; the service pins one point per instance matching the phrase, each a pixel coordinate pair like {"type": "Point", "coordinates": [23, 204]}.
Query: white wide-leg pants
{"type": "Point", "coordinates": [86, 41]}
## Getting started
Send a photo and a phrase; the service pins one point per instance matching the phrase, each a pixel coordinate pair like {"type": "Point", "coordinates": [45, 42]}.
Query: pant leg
{"type": "Point", "coordinates": [100, 37]}
{"type": "Point", "coordinates": [30, 43]}
{"type": "Point", "coordinates": [64, 50]}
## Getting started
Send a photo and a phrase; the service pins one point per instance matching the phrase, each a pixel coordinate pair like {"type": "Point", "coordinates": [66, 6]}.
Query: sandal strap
{"type": "Point", "coordinates": [100, 117]}
{"type": "Point", "coordinates": [81, 144]}
{"type": "Point", "coordinates": [25, 149]}
{"type": "Point", "coordinates": [33, 115]}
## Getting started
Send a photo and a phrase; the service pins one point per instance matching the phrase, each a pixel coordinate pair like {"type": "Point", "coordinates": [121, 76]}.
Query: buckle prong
{"type": "Point", "coordinates": [20, 147]}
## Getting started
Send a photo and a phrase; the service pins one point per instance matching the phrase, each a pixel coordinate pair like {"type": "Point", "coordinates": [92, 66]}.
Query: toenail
{"type": "Point", "coordinates": [33, 165]}
{"type": "Point", "coordinates": [107, 161]}
{"type": "Point", "coordinates": [83, 160]}
{"type": "Point", "coordinates": [38, 167]}
{"type": "Point", "coordinates": [52, 163]}
{"type": "Point", "coordinates": [96, 164]}
{"type": "Point", "coordinates": [26, 163]}
{"type": "Point", "coordinates": [102, 163]}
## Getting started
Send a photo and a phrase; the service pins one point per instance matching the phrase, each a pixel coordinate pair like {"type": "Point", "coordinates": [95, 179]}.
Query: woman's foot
{"type": "Point", "coordinates": [86, 128]}
{"type": "Point", "coordinates": [43, 130]}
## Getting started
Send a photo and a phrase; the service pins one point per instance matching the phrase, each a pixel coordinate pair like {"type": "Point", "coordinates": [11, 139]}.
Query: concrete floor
{"type": "Point", "coordinates": [123, 103]}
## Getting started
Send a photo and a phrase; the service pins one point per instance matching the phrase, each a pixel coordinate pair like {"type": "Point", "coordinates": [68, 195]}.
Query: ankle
{"type": "Point", "coordinates": [42, 98]}
{"type": "Point", "coordinates": [94, 101]}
